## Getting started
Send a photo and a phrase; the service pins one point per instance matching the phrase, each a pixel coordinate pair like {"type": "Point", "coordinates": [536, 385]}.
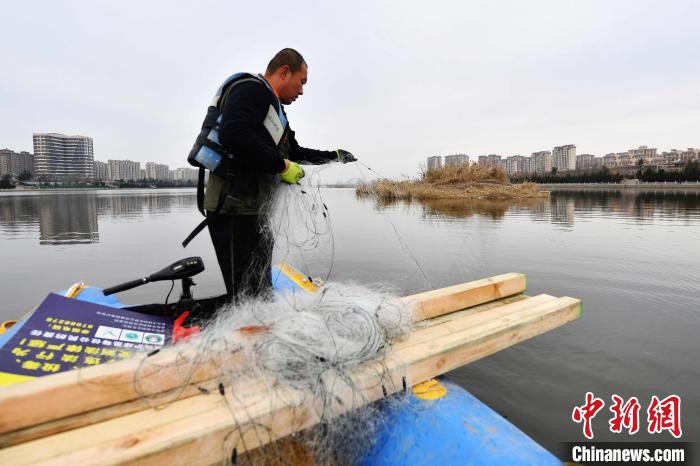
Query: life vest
{"type": "Point", "coordinates": [208, 153]}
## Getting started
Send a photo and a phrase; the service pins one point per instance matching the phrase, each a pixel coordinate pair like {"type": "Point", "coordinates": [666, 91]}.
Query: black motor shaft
{"type": "Point", "coordinates": [184, 268]}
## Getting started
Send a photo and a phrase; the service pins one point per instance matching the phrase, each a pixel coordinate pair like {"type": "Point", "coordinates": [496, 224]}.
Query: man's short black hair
{"type": "Point", "coordinates": [289, 57]}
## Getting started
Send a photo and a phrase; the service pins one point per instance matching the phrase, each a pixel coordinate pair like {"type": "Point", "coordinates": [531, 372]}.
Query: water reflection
{"type": "Point", "coordinates": [495, 210]}
{"type": "Point", "coordinates": [636, 204]}
{"type": "Point", "coordinates": [122, 206]}
{"type": "Point", "coordinates": [562, 207]}
{"type": "Point", "coordinates": [65, 218]}
{"type": "Point", "coordinates": [562, 210]}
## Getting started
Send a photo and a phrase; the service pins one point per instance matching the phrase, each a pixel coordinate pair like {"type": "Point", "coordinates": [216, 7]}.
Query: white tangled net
{"type": "Point", "coordinates": [302, 351]}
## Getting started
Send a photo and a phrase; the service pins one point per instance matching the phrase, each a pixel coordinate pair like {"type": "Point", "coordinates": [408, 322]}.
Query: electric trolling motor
{"type": "Point", "coordinates": [183, 270]}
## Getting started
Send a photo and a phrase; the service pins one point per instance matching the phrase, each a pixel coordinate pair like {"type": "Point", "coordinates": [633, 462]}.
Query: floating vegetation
{"type": "Point", "coordinates": [452, 182]}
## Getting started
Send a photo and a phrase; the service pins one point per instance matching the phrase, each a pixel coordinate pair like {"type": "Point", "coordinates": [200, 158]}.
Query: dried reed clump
{"type": "Point", "coordinates": [465, 173]}
{"type": "Point", "coordinates": [453, 182]}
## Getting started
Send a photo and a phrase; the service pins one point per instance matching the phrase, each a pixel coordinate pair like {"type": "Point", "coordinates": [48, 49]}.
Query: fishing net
{"type": "Point", "coordinates": [314, 360]}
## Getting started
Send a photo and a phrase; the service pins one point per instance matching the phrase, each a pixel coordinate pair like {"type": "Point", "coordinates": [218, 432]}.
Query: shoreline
{"type": "Point", "coordinates": [24, 192]}
{"type": "Point", "coordinates": [620, 186]}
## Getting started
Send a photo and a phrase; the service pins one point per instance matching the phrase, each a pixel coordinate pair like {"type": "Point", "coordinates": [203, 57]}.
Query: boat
{"type": "Point", "coordinates": [442, 423]}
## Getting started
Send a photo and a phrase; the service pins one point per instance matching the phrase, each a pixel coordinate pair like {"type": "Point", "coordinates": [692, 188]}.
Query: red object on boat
{"type": "Point", "coordinates": [181, 333]}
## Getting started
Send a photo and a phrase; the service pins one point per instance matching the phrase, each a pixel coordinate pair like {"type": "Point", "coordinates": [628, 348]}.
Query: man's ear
{"type": "Point", "coordinates": [284, 70]}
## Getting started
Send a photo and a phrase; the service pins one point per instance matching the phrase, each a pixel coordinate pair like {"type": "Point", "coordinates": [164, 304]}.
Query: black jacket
{"type": "Point", "coordinates": [258, 158]}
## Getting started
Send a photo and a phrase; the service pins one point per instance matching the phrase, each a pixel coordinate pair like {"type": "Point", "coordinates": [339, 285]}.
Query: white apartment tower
{"type": "Point", "coordinates": [456, 159]}
{"type": "Point", "coordinates": [14, 163]}
{"type": "Point", "coordinates": [157, 171]}
{"type": "Point", "coordinates": [564, 157]}
{"type": "Point", "coordinates": [515, 164]}
{"type": "Point", "coordinates": [124, 170]}
{"type": "Point", "coordinates": [101, 171]}
{"type": "Point", "coordinates": [62, 156]}
{"type": "Point", "coordinates": [186, 174]}
{"type": "Point", "coordinates": [647, 154]}
{"type": "Point", "coordinates": [494, 160]}
{"type": "Point", "coordinates": [434, 162]}
{"type": "Point", "coordinates": [541, 162]}
{"type": "Point", "coordinates": [585, 161]}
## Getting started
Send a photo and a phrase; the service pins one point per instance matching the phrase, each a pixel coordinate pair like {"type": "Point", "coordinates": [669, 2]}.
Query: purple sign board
{"type": "Point", "coordinates": [63, 334]}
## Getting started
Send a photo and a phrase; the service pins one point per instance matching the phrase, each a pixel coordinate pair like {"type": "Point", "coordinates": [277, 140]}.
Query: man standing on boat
{"type": "Point", "coordinates": [248, 147]}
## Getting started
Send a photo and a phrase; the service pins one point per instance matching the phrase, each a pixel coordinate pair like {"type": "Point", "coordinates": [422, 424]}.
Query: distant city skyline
{"type": "Point", "coordinates": [59, 151]}
{"type": "Point", "coordinates": [565, 158]}
{"type": "Point", "coordinates": [60, 156]}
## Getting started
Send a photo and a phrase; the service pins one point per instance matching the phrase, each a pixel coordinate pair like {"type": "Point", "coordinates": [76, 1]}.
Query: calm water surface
{"type": "Point", "coordinates": [632, 259]}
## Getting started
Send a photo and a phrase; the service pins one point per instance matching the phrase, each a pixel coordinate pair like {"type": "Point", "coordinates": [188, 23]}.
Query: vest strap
{"type": "Point", "coordinates": [200, 191]}
{"type": "Point", "coordinates": [197, 230]}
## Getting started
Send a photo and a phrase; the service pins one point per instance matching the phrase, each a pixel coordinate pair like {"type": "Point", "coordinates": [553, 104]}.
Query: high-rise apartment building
{"type": "Point", "coordinates": [610, 160]}
{"type": "Point", "coordinates": [564, 157]}
{"type": "Point", "coordinates": [102, 171]}
{"type": "Point", "coordinates": [61, 156]}
{"type": "Point", "coordinates": [541, 162]}
{"type": "Point", "coordinates": [157, 171]}
{"type": "Point", "coordinates": [515, 164]}
{"type": "Point", "coordinates": [163, 172]}
{"type": "Point", "coordinates": [690, 154]}
{"type": "Point", "coordinates": [15, 163]}
{"type": "Point", "coordinates": [494, 160]}
{"type": "Point", "coordinates": [434, 162]}
{"type": "Point", "coordinates": [617, 159]}
{"type": "Point", "coordinates": [584, 161]}
{"type": "Point", "coordinates": [186, 174]}
{"type": "Point", "coordinates": [676, 157]}
{"type": "Point", "coordinates": [491, 160]}
{"type": "Point", "coordinates": [456, 159]}
{"type": "Point", "coordinates": [124, 170]}
{"type": "Point", "coordinates": [5, 162]}
{"type": "Point", "coordinates": [647, 154]}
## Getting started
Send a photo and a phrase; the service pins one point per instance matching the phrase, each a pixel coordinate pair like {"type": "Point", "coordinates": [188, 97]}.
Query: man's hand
{"type": "Point", "coordinates": [345, 156]}
{"type": "Point", "coordinates": [293, 173]}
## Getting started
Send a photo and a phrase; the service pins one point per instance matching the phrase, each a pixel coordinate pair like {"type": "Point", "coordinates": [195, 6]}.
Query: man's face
{"type": "Point", "coordinates": [292, 85]}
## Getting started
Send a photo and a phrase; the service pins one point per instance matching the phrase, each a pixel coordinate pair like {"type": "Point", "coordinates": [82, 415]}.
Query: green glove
{"type": "Point", "coordinates": [292, 174]}
{"type": "Point", "coordinates": [345, 156]}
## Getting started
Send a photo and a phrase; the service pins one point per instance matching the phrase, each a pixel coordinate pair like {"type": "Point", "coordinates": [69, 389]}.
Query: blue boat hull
{"type": "Point", "coordinates": [455, 429]}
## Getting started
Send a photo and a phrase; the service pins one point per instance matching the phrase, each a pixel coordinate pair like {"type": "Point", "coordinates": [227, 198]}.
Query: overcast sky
{"type": "Point", "coordinates": [393, 82]}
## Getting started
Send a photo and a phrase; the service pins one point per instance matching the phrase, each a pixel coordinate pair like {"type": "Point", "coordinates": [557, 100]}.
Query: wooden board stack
{"type": "Point", "coordinates": [98, 416]}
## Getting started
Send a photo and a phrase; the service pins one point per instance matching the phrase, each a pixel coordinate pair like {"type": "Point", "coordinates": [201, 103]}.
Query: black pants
{"type": "Point", "coordinates": [243, 245]}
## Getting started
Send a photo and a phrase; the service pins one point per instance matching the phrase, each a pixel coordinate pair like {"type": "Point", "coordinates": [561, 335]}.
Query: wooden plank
{"type": "Point", "coordinates": [92, 417]}
{"type": "Point", "coordinates": [470, 310]}
{"type": "Point", "coordinates": [469, 319]}
{"type": "Point", "coordinates": [61, 395]}
{"type": "Point", "coordinates": [195, 431]}
{"type": "Point", "coordinates": [453, 298]}
{"type": "Point", "coordinates": [109, 412]}
{"type": "Point", "coordinates": [459, 349]}
{"type": "Point", "coordinates": [102, 414]}
{"type": "Point", "coordinates": [95, 388]}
